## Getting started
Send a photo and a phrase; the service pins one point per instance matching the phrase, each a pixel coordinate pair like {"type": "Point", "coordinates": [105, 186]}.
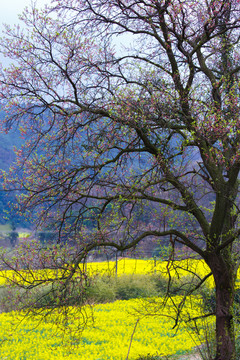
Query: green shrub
{"type": "Point", "coordinates": [176, 286]}
{"type": "Point", "coordinates": [160, 283]}
{"type": "Point", "coordinates": [101, 290]}
{"type": "Point", "coordinates": [208, 300]}
{"type": "Point", "coordinates": [135, 286]}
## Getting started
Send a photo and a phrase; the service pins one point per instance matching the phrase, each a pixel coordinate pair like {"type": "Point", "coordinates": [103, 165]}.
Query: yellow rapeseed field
{"type": "Point", "coordinates": [107, 338]}
{"type": "Point", "coordinates": [129, 266]}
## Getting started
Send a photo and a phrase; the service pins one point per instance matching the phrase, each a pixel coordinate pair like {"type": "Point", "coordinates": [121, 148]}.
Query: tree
{"type": "Point", "coordinates": [154, 125]}
{"type": "Point", "coordinates": [13, 235]}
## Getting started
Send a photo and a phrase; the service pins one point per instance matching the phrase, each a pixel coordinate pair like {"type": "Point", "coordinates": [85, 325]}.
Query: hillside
{"type": "Point", "coordinates": [7, 156]}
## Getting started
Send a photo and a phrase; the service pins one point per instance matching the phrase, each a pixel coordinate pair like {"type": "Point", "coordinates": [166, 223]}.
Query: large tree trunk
{"type": "Point", "coordinates": [224, 322]}
{"type": "Point", "coordinates": [224, 276]}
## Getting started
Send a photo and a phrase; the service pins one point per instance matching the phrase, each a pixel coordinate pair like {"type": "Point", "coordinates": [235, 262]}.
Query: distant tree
{"type": "Point", "coordinates": [44, 237]}
{"type": "Point", "coordinates": [156, 122]}
{"type": "Point", "coordinates": [13, 235]}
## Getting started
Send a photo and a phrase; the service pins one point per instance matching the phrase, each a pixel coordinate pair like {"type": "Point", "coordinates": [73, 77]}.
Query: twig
{"type": "Point", "coordinates": [132, 338]}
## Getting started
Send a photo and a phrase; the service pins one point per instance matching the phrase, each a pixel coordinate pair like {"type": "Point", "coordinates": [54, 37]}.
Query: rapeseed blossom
{"type": "Point", "coordinates": [125, 266]}
{"type": "Point", "coordinates": [114, 323]}
{"type": "Point", "coordinates": [108, 338]}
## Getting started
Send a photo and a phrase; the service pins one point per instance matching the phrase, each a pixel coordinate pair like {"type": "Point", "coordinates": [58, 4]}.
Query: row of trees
{"type": "Point", "coordinates": [118, 128]}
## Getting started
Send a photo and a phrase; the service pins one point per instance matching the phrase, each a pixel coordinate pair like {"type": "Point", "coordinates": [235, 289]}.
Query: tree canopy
{"type": "Point", "coordinates": [122, 132]}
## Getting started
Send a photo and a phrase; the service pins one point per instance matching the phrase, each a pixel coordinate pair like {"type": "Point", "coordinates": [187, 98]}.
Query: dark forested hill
{"type": "Point", "coordinates": [7, 143]}
{"type": "Point", "coordinates": [7, 156]}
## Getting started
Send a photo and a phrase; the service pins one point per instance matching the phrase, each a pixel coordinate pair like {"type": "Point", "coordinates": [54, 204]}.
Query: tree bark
{"type": "Point", "coordinates": [224, 276]}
